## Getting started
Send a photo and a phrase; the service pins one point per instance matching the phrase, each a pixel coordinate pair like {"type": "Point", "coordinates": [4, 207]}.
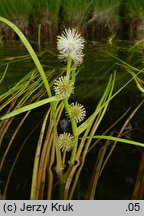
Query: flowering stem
{"type": "Point", "coordinates": [74, 150]}
{"type": "Point", "coordinates": [72, 159]}
{"type": "Point", "coordinates": [74, 130]}
{"type": "Point", "coordinates": [73, 122]}
{"type": "Point", "coordinates": [70, 45]}
{"type": "Point", "coordinates": [64, 157]}
{"type": "Point", "coordinates": [69, 62]}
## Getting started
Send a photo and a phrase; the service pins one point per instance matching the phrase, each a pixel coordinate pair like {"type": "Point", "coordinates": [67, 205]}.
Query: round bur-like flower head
{"type": "Point", "coordinates": [77, 112]}
{"type": "Point", "coordinates": [66, 141]}
{"type": "Point", "coordinates": [71, 43]}
{"type": "Point", "coordinates": [63, 87]}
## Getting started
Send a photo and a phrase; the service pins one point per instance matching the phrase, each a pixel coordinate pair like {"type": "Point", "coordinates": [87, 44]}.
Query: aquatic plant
{"type": "Point", "coordinates": [135, 8]}
{"type": "Point", "coordinates": [67, 151]}
{"type": "Point", "coordinates": [45, 17]}
{"type": "Point", "coordinates": [18, 12]}
{"type": "Point", "coordinates": [104, 17]}
{"type": "Point", "coordinates": [135, 16]}
{"type": "Point", "coordinates": [75, 13]}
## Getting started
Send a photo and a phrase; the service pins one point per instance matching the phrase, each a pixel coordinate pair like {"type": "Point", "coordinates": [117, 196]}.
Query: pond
{"type": "Point", "coordinates": [118, 179]}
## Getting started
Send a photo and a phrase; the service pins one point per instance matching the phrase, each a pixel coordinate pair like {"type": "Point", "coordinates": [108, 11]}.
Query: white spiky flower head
{"type": "Point", "coordinates": [63, 87]}
{"type": "Point", "coordinates": [77, 112]}
{"type": "Point", "coordinates": [66, 141]}
{"type": "Point", "coordinates": [71, 43]}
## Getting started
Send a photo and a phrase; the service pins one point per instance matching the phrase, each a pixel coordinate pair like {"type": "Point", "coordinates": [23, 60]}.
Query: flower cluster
{"type": "Point", "coordinates": [71, 43]}
{"type": "Point", "coordinates": [63, 87]}
{"type": "Point", "coordinates": [66, 141]}
{"type": "Point", "coordinates": [77, 112]}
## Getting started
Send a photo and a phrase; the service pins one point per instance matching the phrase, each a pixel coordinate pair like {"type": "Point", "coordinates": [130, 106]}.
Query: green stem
{"type": "Point", "coordinates": [61, 190]}
{"type": "Point", "coordinates": [1, 79]}
{"type": "Point", "coordinates": [74, 130]}
{"type": "Point", "coordinates": [73, 75]}
{"type": "Point", "coordinates": [39, 37]}
{"type": "Point", "coordinates": [73, 122]}
{"type": "Point", "coordinates": [74, 151]}
{"type": "Point", "coordinates": [64, 157]}
{"type": "Point", "coordinates": [138, 81]}
{"type": "Point", "coordinates": [69, 63]}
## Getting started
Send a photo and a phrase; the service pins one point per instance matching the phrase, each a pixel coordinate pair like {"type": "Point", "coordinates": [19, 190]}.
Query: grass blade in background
{"type": "Point", "coordinates": [104, 18]}
{"type": "Point", "coordinates": [45, 18]}
{"type": "Point", "coordinates": [75, 13]}
{"type": "Point", "coordinates": [18, 12]}
{"type": "Point", "coordinates": [135, 17]}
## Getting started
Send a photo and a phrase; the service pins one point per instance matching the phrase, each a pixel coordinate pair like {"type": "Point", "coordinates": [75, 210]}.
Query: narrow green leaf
{"type": "Point", "coordinates": [29, 107]}
{"type": "Point", "coordinates": [1, 79]}
{"type": "Point", "coordinates": [102, 103]}
{"type": "Point", "coordinates": [117, 139]}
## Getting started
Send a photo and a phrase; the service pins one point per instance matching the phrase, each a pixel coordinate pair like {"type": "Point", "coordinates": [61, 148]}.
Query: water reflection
{"type": "Point", "coordinates": [99, 62]}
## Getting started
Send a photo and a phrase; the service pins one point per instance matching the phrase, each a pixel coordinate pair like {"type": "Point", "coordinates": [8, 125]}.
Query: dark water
{"type": "Point", "coordinates": [118, 178]}
{"type": "Point", "coordinates": [99, 63]}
